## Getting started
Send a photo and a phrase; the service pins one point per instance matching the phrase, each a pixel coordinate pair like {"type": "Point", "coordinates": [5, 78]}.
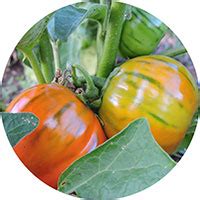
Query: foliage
{"type": "Point", "coordinates": [31, 38]}
{"type": "Point", "coordinates": [124, 165]}
{"type": "Point", "coordinates": [18, 125]}
{"type": "Point", "coordinates": [190, 132]}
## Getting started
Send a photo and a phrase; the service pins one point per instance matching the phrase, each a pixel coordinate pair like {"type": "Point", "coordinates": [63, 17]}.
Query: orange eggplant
{"type": "Point", "coordinates": [67, 130]}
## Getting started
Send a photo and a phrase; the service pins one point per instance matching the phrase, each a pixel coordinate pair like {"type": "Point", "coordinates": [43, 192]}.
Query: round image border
{"type": "Point", "coordinates": [182, 168]}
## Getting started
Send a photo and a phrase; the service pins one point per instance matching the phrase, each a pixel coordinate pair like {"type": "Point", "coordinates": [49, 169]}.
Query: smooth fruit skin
{"type": "Point", "coordinates": [67, 130]}
{"type": "Point", "coordinates": [156, 87]}
{"type": "Point", "coordinates": [141, 34]}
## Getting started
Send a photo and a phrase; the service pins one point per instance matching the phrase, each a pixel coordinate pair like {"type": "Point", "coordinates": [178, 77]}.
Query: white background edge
{"type": "Point", "coordinates": [16, 182]}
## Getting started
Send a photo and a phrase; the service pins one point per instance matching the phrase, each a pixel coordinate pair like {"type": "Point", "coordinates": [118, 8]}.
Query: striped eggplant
{"type": "Point", "coordinates": [67, 130]}
{"type": "Point", "coordinates": [156, 87]}
{"type": "Point", "coordinates": [141, 34]}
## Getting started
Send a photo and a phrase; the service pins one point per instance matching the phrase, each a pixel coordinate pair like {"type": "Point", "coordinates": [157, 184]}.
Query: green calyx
{"type": "Point", "coordinates": [90, 91]}
{"type": "Point", "coordinates": [87, 87]}
{"type": "Point", "coordinates": [141, 33]}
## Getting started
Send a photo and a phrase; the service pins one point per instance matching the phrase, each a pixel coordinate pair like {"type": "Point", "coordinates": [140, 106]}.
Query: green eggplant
{"type": "Point", "coordinates": [141, 34]}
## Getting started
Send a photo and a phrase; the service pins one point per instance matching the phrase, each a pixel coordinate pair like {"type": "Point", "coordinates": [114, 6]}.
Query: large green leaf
{"type": "Point", "coordinates": [64, 22]}
{"type": "Point", "coordinates": [67, 19]}
{"type": "Point", "coordinates": [18, 125]}
{"type": "Point", "coordinates": [127, 163]}
{"type": "Point", "coordinates": [32, 37]}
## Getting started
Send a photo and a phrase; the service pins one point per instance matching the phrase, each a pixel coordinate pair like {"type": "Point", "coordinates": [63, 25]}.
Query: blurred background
{"type": "Point", "coordinates": [18, 76]}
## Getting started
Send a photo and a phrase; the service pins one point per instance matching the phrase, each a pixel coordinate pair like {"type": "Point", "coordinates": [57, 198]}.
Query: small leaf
{"type": "Point", "coordinates": [24, 59]}
{"type": "Point", "coordinates": [67, 19]}
{"type": "Point", "coordinates": [64, 21]}
{"type": "Point", "coordinates": [18, 125]}
{"type": "Point", "coordinates": [31, 38]}
{"type": "Point", "coordinates": [127, 163]}
{"type": "Point", "coordinates": [194, 122]}
{"type": "Point", "coordinates": [189, 134]}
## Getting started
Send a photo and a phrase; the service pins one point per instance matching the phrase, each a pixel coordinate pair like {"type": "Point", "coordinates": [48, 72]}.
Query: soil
{"type": "Point", "coordinates": [13, 74]}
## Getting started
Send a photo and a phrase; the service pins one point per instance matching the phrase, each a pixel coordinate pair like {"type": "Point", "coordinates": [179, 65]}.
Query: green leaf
{"type": "Point", "coordinates": [64, 22]}
{"type": "Point", "coordinates": [189, 135]}
{"type": "Point", "coordinates": [127, 163]}
{"type": "Point", "coordinates": [18, 125]}
{"type": "Point", "coordinates": [70, 50]}
{"type": "Point", "coordinates": [67, 19]}
{"type": "Point", "coordinates": [194, 122]}
{"type": "Point", "coordinates": [22, 57]}
{"type": "Point", "coordinates": [73, 51]}
{"type": "Point", "coordinates": [32, 37]}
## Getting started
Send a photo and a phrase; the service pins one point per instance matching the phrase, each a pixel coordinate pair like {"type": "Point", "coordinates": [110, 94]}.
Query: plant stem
{"type": "Point", "coordinates": [46, 55]}
{"type": "Point", "coordinates": [105, 1]}
{"type": "Point", "coordinates": [56, 53]}
{"type": "Point", "coordinates": [175, 52]}
{"type": "Point", "coordinates": [92, 91]}
{"type": "Point", "coordinates": [100, 41]}
{"type": "Point", "coordinates": [102, 28]}
{"type": "Point", "coordinates": [75, 77]}
{"type": "Point", "coordinates": [98, 81]}
{"type": "Point", "coordinates": [112, 39]}
{"type": "Point", "coordinates": [35, 65]}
